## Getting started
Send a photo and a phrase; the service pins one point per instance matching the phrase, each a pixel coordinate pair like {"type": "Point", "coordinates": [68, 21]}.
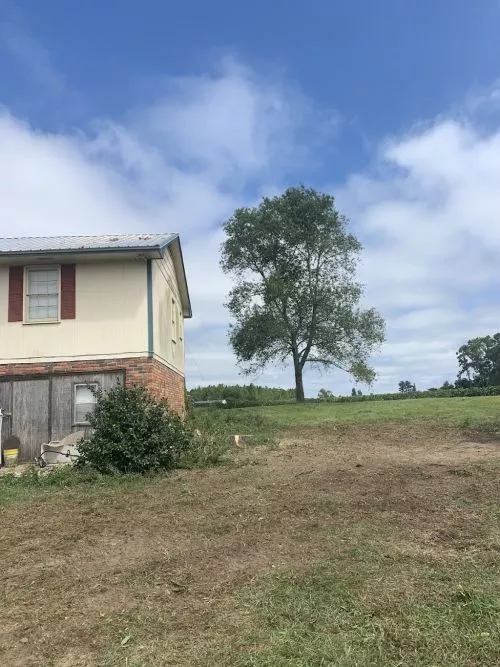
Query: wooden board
{"type": "Point", "coordinates": [30, 410]}
{"type": "Point", "coordinates": [62, 397]}
{"type": "Point", "coordinates": [6, 405]}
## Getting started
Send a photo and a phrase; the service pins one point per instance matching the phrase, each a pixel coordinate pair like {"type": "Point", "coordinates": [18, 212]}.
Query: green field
{"type": "Point", "coordinates": [376, 543]}
{"type": "Point", "coordinates": [475, 411]}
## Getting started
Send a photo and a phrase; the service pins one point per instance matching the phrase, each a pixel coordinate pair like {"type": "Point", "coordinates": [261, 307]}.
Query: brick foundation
{"type": "Point", "coordinates": [160, 380]}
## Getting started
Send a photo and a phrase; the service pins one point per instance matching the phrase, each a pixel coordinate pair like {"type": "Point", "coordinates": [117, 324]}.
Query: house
{"type": "Point", "coordinates": [78, 312]}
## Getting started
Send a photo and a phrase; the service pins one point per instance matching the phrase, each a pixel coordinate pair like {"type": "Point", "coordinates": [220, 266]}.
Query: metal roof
{"type": "Point", "coordinates": [42, 244]}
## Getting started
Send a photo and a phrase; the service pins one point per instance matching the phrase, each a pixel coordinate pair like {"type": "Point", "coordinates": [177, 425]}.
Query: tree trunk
{"type": "Point", "coordinates": [299, 385]}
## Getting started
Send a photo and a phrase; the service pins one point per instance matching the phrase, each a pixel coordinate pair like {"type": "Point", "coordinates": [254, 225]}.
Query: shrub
{"type": "Point", "coordinates": [223, 424]}
{"type": "Point", "coordinates": [134, 433]}
{"type": "Point", "coordinates": [209, 447]}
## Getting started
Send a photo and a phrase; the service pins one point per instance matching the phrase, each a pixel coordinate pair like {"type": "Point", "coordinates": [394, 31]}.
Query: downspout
{"type": "Point", "coordinates": [149, 280]}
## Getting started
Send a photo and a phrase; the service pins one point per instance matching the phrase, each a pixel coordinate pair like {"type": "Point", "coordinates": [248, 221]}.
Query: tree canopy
{"type": "Point", "coordinates": [405, 386]}
{"type": "Point", "coordinates": [295, 295]}
{"type": "Point", "coordinates": [479, 362]}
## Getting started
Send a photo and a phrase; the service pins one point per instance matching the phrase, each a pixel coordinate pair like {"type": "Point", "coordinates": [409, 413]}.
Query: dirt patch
{"type": "Point", "coordinates": [79, 568]}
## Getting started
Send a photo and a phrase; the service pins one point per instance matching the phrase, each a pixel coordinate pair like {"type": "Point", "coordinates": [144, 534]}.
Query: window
{"type": "Point", "coordinates": [179, 324]}
{"type": "Point", "coordinates": [42, 294]}
{"type": "Point", "coordinates": [173, 312]}
{"type": "Point", "coordinates": [85, 400]}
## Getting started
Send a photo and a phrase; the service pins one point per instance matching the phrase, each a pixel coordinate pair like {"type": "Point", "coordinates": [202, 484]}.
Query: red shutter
{"type": "Point", "coordinates": [68, 297]}
{"type": "Point", "coordinates": [16, 276]}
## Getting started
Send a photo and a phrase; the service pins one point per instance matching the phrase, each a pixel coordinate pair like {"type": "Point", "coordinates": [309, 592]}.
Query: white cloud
{"type": "Point", "coordinates": [429, 213]}
{"type": "Point", "coordinates": [233, 123]}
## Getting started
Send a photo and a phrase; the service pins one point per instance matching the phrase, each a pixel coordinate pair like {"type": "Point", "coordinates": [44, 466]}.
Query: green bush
{"type": "Point", "coordinates": [134, 433]}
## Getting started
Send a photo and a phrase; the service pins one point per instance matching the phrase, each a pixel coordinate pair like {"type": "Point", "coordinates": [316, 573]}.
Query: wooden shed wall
{"type": "Point", "coordinates": [42, 409]}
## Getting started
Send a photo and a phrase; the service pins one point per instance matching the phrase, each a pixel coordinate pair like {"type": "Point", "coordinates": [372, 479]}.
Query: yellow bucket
{"type": "Point", "coordinates": [10, 457]}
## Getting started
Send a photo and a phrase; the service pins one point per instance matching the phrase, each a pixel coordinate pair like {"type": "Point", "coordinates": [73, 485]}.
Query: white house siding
{"type": "Point", "coordinates": [165, 289]}
{"type": "Point", "coordinates": [111, 318]}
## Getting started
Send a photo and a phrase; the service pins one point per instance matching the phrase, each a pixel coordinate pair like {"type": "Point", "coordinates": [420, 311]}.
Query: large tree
{"type": "Point", "coordinates": [295, 295]}
{"type": "Point", "coordinates": [479, 361]}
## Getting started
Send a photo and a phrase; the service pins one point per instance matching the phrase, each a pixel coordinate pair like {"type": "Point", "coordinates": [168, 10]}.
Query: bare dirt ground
{"type": "Point", "coordinates": [91, 578]}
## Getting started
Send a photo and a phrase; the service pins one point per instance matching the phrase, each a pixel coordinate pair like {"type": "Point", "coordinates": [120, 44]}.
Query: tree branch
{"type": "Point", "coordinates": [328, 362]}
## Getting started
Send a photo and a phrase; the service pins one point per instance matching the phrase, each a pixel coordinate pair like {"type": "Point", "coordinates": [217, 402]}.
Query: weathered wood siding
{"type": "Point", "coordinates": [62, 408]}
{"type": "Point", "coordinates": [42, 409]}
{"type": "Point", "coordinates": [30, 409]}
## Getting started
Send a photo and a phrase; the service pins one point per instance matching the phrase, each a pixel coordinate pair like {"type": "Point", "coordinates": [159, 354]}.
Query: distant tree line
{"type": "Point", "coordinates": [236, 392]}
{"type": "Point", "coordinates": [326, 396]}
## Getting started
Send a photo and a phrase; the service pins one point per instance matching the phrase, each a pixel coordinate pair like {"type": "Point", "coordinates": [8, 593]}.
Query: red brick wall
{"type": "Point", "coordinates": [160, 380]}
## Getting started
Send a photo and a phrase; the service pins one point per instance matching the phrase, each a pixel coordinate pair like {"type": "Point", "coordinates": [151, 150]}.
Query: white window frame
{"type": "Point", "coordinates": [87, 385]}
{"type": "Point", "coordinates": [27, 295]}
{"type": "Point", "coordinates": [179, 325]}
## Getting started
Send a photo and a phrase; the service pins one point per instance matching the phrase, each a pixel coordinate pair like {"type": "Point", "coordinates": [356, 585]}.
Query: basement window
{"type": "Point", "coordinates": [85, 402]}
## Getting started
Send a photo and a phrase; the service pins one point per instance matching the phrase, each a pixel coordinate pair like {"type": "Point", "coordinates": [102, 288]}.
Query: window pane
{"type": "Point", "coordinates": [83, 411]}
{"type": "Point", "coordinates": [35, 277]}
{"type": "Point", "coordinates": [43, 281]}
{"type": "Point", "coordinates": [42, 307]}
{"type": "Point", "coordinates": [84, 402]}
{"type": "Point", "coordinates": [40, 300]}
{"type": "Point", "coordinates": [84, 394]}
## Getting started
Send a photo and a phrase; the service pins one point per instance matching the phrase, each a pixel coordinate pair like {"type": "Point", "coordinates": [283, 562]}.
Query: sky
{"type": "Point", "coordinates": [154, 116]}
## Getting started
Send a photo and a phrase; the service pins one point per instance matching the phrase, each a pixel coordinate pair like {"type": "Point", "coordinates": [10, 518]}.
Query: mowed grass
{"type": "Point", "coordinates": [348, 611]}
{"type": "Point", "coordinates": [468, 412]}
{"type": "Point", "coordinates": [350, 544]}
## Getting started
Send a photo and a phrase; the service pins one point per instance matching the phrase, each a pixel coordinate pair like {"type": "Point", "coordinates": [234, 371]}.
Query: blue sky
{"type": "Point", "coordinates": [165, 116]}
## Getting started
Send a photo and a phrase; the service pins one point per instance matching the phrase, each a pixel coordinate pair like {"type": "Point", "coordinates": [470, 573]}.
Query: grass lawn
{"type": "Point", "coordinates": [349, 544]}
{"type": "Point", "coordinates": [469, 411]}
